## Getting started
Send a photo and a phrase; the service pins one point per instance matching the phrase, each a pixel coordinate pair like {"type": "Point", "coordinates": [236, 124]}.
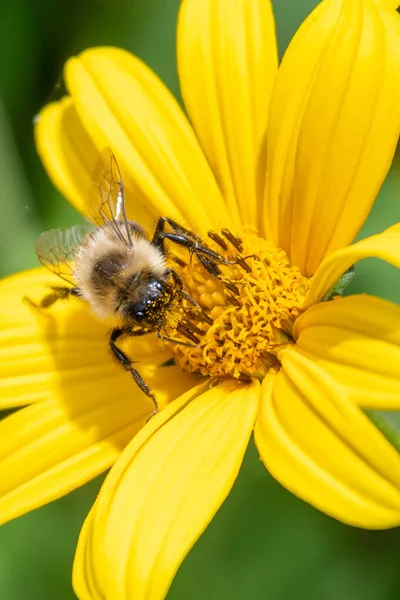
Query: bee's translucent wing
{"type": "Point", "coordinates": [56, 249]}
{"type": "Point", "coordinates": [107, 197]}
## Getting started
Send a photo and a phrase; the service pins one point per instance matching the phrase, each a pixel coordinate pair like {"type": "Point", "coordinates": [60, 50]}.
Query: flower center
{"type": "Point", "coordinates": [246, 314]}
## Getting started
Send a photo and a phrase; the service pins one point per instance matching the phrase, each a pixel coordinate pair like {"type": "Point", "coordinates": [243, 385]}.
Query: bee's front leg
{"type": "Point", "coordinates": [126, 363]}
{"type": "Point", "coordinates": [208, 258]}
{"type": "Point", "coordinates": [179, 288]}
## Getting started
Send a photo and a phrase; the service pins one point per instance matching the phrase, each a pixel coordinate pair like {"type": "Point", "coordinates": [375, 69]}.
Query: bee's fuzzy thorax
{"type": "Point", "coordinates": [105, 265]}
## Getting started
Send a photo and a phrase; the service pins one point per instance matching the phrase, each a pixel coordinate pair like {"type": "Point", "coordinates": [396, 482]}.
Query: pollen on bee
{"type": "Point", "coordinates": [244, 316]}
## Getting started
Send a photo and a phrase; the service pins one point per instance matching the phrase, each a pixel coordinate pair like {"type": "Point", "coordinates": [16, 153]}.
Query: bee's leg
{"type": "Point", "coordinates": [126, 363]}
{"type": "Point", "coordinates": [195, 246]}
{"type": "Point", "coordinates": [200, 315]}
{"type": "Point", "coordinates": [192, 242]}
{"type": "Point", "coordinates": [158, 241]}
{"type": "Point", "coordinates": [58, 293]}
{"type": "Point", "coordinates": [179, 287]}
{"type": "Point", "coordinates": [160, 229]}
{"type": "Point", "coordinates": [210, 265]}
{"type": "Point", "coordinates": [185, 331]}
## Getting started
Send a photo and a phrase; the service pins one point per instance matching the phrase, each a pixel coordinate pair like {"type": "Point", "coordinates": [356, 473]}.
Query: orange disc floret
{"type": "Point", "coordinates": [248, 310]}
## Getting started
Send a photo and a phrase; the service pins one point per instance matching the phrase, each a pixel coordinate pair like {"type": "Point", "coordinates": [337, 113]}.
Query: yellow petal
{"type": "Point", "coordinates": [89, 409]}
{"type": "Point", "coordinates": [324, 449]}
{"type": "Point", "coordinates": [388, 4]}
{"type": "Point", "coordinates": [333, 128]}
{"type": "Point", "coordinates": [54, 446]}
{"type": "Point", "coordinates": [163, 492]}
{"type": "Point", "coordinates": [63, 350]}
{"type": "Point", "coordinates": [42, 351]}
{"type": "Point", "coordinates": [385, 245]}
{"type": "Point", "coordinates": [82, 576]}
{"type": "Point", "coordinates": [124, 105]}
{"type": "Point", "coordinates": [227, 61]}
{"type": "Point", "coordinates": [356, 340]}
{"type": "Point", "coordinates": [70, 158]}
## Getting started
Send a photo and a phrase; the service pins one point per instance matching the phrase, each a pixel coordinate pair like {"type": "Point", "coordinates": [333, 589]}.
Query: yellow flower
{"type": "Point", "coordinates": [306, 180]}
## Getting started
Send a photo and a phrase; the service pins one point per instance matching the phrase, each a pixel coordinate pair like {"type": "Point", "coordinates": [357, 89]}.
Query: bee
{"type": "Point", "coordinates": [120, 271]}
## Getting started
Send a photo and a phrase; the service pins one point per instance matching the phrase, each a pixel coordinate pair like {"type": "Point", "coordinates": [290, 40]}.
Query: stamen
{"type": "Point", "coordinates": [235, 241]}
{"type": "Point", "coordinates": [241, 261]}
{"type": "Point", "coordinates": [178, 260]}
{"type": "Point", "coordinates": [231, 286]}
{"type": "Point", "coordinates": [218, 240]}
{"type": "Point", "coordinates": [192, 328]}
{"type": "Point", "coordinates": [233, 300]}
{"type": "Point", "coordinates": [199, 317]}
{"type": "Point", "coordinates": [188, 334]}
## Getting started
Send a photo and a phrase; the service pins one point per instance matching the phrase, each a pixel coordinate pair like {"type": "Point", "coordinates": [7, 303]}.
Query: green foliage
{"type": "Point", "coordinates": [341, 285]}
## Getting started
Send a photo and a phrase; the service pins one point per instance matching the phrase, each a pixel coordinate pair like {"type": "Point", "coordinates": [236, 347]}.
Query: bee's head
{"type": "Point", "coordinates": [146, 299]}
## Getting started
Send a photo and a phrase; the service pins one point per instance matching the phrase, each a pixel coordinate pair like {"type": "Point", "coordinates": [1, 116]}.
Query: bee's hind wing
{"type": "Point", "coordinates": [56, 249]}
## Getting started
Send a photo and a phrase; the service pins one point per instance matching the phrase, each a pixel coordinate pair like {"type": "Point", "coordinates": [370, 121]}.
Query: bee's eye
{"type": "Point", "coordinates": [136, 311]}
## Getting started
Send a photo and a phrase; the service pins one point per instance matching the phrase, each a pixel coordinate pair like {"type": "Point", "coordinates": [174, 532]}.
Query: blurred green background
{"type": "Point", "coordinates": [263, 543]}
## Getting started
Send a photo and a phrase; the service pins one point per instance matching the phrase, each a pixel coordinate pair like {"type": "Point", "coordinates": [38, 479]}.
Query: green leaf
{"type": "Point", "coordinates": [386, 423]}
{"type": "Point", "coordinates": [340, 286]}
